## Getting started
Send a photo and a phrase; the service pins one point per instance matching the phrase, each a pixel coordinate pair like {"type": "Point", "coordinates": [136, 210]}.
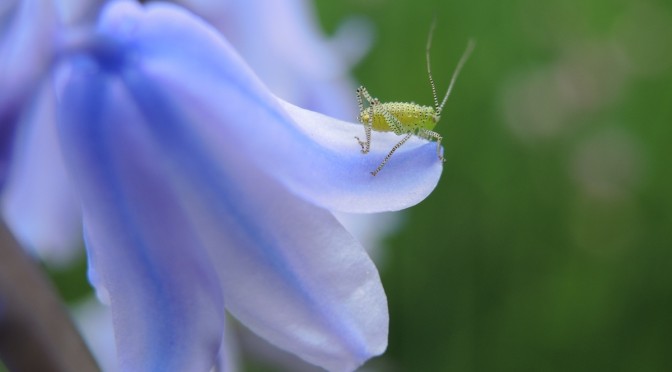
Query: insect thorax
{"type": "Point", "coordinates": [412, 116]}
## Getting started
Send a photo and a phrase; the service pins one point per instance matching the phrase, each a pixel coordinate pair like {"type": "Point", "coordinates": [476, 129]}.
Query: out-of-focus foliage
{"type": "Point", "coordinates": [548, 242]}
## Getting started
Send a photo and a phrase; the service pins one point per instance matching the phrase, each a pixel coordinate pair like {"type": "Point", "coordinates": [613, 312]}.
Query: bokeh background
{"type": "Point", "coordinates": [547, 245]}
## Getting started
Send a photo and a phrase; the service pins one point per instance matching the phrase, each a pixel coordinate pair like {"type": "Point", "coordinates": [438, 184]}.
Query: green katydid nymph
{"type": "Point", "coordinates": [405, 118]}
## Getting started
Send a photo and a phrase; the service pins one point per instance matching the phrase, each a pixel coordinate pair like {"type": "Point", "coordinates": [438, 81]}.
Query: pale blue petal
{"type": "Point", "coordinates": [94, 322]}
{"type": "Point", "coordinates": [283, 44]}
{"type": "Point", "coordinates": [371, 229]}
{"type": "Point", "coordinates": [408, 178]}
{"type": "Point", "coordinates": [38, 201]}
{"type": "Point", "coordinates": [287, 268]}
{"type": "Point", "coordinates": [77, 12]}
{"type": "Point", "coordinates": [27, 32]}
{"type": "Point", "coordinates": [164, 295]}
{"type": "Point", "coordinates": [315, 156]}
{"type": "Point", "coordinates": [26, 44]}
{"type": "Point", "coordinates": [292, 274]}
{"type": "Point", "coordinates": [228, 359]}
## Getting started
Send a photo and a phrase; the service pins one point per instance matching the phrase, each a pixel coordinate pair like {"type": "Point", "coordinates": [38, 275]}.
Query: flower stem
{"type": "Point", "coordinates": [36, 332]}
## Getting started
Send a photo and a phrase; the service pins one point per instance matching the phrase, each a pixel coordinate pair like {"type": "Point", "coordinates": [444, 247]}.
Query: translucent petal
{"type": "Point", "coordinates": [314, 155]}
{"type": "Point", "coordinates": [94, 322]}
{"type": "Point", "coordinates": [164, 295]}
{"type": "Point", "coordinates": [38, 202]}
{"type": "Point", "coordinates": [292, 274]}
{"type": "Point", "coordinates": [287, 268]}
{"type": "Point", "coordinates": [77, 12]}
{"type": "Point", "coordinates": [228, 359]}
{"type": "Point", "coordinates": [26, 40]}
{"type": "Point", "coordinates": [284, 45]}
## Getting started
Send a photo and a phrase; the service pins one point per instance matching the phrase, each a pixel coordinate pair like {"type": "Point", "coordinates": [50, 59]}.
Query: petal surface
{"type": "Point", "coordinates": [313, 155]}
{"type": "Point", "coordinates": [26, 43]}
{"type": "Point", "coordinates": [164, 296]}
{"type": "Point", "coordinates": [27, 30]}
{"type": "Point", "coordinates": [287, 268]}
{"type": "Point", "coordinates": [295, 276]}
{"type": "Point", "coordinates": [77, 12]}
{"type": "Point", "coordinates": [284, 45]}
{"type": "Point", "coordinates": [38, 202]}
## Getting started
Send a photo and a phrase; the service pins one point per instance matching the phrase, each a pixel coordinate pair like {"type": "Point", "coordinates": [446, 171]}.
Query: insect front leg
{"type": "Point", "coordinates": [368, 125]}
{"type": "Point", "coordinates": [432, 135]}
{"type": "Point", "coordinates": [362, 92]}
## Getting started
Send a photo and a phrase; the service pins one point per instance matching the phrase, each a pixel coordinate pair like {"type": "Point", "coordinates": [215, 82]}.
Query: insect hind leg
{"type": "Point", "coordinates": [397, 146]}
{"type": "Point", "coordinates": [432, 135]}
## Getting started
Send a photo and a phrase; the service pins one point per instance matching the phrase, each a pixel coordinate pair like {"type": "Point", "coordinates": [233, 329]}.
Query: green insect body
{"type": "Point", "coordinates": [405, 118]}
{"type": "Point", "coordinates": [410, 115]}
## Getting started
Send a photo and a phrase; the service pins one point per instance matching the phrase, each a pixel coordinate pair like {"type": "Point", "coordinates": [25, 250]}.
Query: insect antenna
{"type": "Point", "coordinates": [429, 68]}
{"type": "Point", "coordinates": [463, 60]}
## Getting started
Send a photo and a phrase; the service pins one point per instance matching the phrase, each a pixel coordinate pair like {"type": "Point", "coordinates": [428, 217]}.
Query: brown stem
{"type": "Point", "coordinates": [36, 332]}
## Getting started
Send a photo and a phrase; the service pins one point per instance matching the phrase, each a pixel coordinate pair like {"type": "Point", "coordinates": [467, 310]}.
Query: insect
{"type": "Point", "coordinates": [405, 118]}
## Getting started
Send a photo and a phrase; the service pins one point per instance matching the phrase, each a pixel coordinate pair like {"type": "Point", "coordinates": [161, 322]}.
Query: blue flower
{"type": "Point", "coordinates": [203, 192]}
{"type": "Point", "coordinates": [37, 201]}
{"type": "Point", "coordinates": [283, 44]}
{"type": "Point", "coordinates": [25, 51]}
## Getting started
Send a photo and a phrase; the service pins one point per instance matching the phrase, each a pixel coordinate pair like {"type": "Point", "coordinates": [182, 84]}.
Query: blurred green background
{"type": "Point", "coordinates": [547, 245]}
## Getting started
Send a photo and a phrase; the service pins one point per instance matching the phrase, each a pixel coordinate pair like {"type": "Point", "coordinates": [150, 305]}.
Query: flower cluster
{"type": "Point", "coordinates": [200, 191]}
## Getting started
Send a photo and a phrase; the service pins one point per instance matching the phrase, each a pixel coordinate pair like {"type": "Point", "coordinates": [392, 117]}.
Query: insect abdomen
{"type": "Point", "coordinates": [410, 115]}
